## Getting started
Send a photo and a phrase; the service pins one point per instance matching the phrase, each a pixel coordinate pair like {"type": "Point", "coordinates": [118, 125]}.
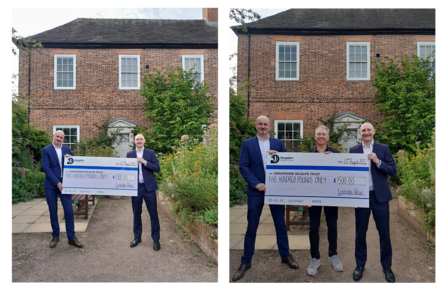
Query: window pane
{"type": "Point", "coordinates": [281, 135]}
{"type": "Point", "coordinates": [281, 48]}
{"type": "Point", "coordinates": [288, 126]}
{"type": "Point", "coordinates": [281, 56]}
{"type": "Point", "coordinates": [357, 73]}
{"type": "Point", "coordinates": [123, 64]}
{"type": "Point", "coordinates": [70, 83]}
{"type": "Point", "coordinates": [351, 53]}
{"type": "Point", "coordinates": [293, 49]}
{"type": "Point", "coordinates": [70, 61]}
{"type": "Point", "coordinates": [364, 57]}
{"type": "Point", "coordinates": [64, 60]}
{"type": "Point", "coordinates": [287, 49]}
{"type": "Point", "coordinates": [287, 66]}
{"type": "Point", "coordinates": [281, 73]}
{"type": "Point", "coordinates": [59, 67]}
{"type": "Point", "coordinates": [73, 131]}
{"type": "Point", "coordinates": [123, 80]}
{"type": "Point", "coordinates": [293, 57]}
{"type": "Point", "coordinates": [198, 65]}
{"type": "Point", "coordinates": [287, 57]}
{"type": "Point", "coordinates": [59, 60]}
{"type": "Point", "coordinates": [364, 74]}
{"type": "Point", "coordinates": [281, 126]}
{"type": "Point", "coordinates": [287, 74]}
{"type": "Point", "coordinates": [293, 73]}
{"type": "Point", "coordinates": [70, 67]}
{"type": "Point", "coordinates": [129, 80]}
{"type": "Point", "coordinates": [364, 65]}
{"type": "Point", "coordinates": [65, 83]}
{"type": "Point", "coordinates": [358, 66]}
{"type": "Point", "coordinates": [66, 131]}
{"type": "Point", "coordinates": [364, 49]}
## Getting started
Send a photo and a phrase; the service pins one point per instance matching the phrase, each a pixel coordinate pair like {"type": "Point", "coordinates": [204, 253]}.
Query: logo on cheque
{"type": "Point", "coordinates": [275, 159]}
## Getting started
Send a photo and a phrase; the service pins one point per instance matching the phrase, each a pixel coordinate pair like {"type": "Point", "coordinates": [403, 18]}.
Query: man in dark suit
{"type": "Point", "coordinates": [53, 165]}
{"type": "Point", "coordinates": [147, 185]}
{"type": "Point", "coordinates": [251, 166]}
{"type": "Point", "coordinates": [381, 165]}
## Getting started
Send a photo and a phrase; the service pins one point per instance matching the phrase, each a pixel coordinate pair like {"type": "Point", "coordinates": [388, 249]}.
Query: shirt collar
{"type": "Point", "coordinates": [56, 147]}
{"type": "Point", "coordinates": [142, 150]}
{"type": "Point", "coordinates": [259, 139]}
{"type": "Point", "coordinates": [370, 146]}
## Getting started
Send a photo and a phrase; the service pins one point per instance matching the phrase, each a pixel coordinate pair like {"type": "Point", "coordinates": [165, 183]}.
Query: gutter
{"type": "Point", "coordinates": [317, 32]}
{"type": "Point", "coordinates": [74, 45]}
{"type": "Point", "coordinates": [29, 83]}
{"type": "Point", "coordinates": [248, 76]}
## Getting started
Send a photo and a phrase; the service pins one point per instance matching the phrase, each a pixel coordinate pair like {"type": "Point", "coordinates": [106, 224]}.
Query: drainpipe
{"type": "Point", "coordinates": [248, 74]}
{"type": "Point", "coordinates": [29, 83]}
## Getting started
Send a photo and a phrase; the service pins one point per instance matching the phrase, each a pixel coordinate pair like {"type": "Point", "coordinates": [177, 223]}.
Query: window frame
{"type": "Point", "coordinates": [301, 122]}
{"type": "Point", "coordinates": [419, 43]}
{"type": "Point", "coordinates": [55, 72]}
{"type": "Point", "coordinates": [202, 77]}
{"type": "Point", "coordinates": [68, 126]}
{"type": "Point", "coordinates": [368, 57]}
{"type": "Point", "coordinates": [137, 56]}
{"type": "Point", "coordinates": [278, 43]}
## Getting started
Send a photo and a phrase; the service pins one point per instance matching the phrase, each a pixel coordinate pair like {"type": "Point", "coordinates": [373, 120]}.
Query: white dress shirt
{"type": "Point", "coordinates": [367, 150]}
{"type": "Point", "coordinates": [264, 146]}
{"type": "Point", "coordinates": [59, 156]}
{"type": "Point", "coordinates": [140, 175]}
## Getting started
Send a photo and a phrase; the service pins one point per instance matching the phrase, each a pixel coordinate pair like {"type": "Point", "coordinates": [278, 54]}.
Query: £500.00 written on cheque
{"type": "Point", "coordinates": [100, 176]}
{"type": "Point", "coordinates": [317, 179]}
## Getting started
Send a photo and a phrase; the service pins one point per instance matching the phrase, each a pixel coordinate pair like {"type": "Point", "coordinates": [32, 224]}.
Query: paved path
{"type": "Point", "coordinates": [266, 234]}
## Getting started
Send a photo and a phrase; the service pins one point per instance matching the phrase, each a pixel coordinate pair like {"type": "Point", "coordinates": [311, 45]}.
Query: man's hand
{"type": "Point", "coordinates": [67, 155]}
{"type": "Point", "coordinates": [271, 152]}
{"type": "Point", "coordinates": [372, 156]}
{"type": "Point", "coordinates": [141, 160]}
{"type": "Point", "coordinates": [59, 185]}
{"type": "Point", "coordinates": [261, 187]}
{"type": "Point", "coordinates": [327, 152]}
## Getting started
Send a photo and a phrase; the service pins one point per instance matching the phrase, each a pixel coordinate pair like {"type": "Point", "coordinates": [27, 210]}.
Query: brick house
{"type": "Point", "coordinates": [304, 63]}
{"type": "Point", "coordinates": [89, 68]}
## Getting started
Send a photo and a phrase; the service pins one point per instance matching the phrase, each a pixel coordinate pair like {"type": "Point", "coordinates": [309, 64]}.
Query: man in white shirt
{"type": "Point", "coordinates": [147, 185]}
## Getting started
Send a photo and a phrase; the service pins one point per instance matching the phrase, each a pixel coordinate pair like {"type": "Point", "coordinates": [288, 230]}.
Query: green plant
{"type": "Point", "coordinates": [211, 265]}
{"type": "Point", "coordinates": [406, 97]}
{"type": "Point", "coordinates": [238, 188]}
{"type": "Point", "coordinates": [176, 105]}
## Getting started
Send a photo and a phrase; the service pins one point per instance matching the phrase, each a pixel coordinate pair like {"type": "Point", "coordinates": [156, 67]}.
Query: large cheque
{"type": "Point", "coordinates": [317, 179]}
{"type": "Point", "coordinates": [100, 176]}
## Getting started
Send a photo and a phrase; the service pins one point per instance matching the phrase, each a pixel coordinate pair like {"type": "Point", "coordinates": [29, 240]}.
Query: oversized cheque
{"type": "Point", "coordinates": [100, 176]}
{"type": "Point", "coordinates": [317, 179]}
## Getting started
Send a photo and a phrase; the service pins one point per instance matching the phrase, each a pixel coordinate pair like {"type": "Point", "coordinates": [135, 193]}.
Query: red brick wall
{"type": "Point", "coordinates": [97, 87]}
{"type": "Point", "coordinates": [322, 84]}
{"type": "Point", "coordinates": [210, 14]}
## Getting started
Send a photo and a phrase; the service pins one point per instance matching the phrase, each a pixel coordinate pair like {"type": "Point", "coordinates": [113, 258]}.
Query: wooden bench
{"type": "Point", "coordinates": [302, 220]}
{"type": "Point", "coordinates": [81, 201]}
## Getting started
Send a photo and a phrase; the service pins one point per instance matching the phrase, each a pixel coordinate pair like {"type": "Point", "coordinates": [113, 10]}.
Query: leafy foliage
{"type": "Point", "coordinates": [241, 15]}
{"type": "Point", "coordinates": [176, 105]}
{"type": "Point", "coordinates": [417, 175]}
{"type": "Point", "coordinates": [24, 44]}
{"type": "Point", "coordinates": [406, 97]}
{"type": "Point", "coordinates": [238, 188]}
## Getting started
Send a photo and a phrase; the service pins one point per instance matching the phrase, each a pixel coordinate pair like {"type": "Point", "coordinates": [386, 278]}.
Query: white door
{"type": "Point", "coordinates": [123, 147]}
{"type": "Point", "coordinates": [349, 138]}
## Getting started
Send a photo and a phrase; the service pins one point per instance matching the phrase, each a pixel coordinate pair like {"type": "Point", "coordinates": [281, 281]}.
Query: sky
{"type": "Point", "coordinates": [31, 21]}
{"type": "Point", "coordinates": [232, 37]}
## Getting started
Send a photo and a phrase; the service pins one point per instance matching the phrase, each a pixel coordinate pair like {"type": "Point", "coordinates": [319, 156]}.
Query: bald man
{"type": "Point", "coordinates": [381, 165]}
{"type": "Point", "coordinates": [53, 165]}
{"type": "Point", "coordinates": [147, 185]}
{"type": "Point", "coordinates": [251, 167]}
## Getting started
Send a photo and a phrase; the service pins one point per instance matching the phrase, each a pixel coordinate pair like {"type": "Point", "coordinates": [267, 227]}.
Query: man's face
{"type": "Point", "coordinates": [367, 132]}
{"type": "Point", "coordinates": [58, 138]}
{"type": "Point", "coordinates": [321, 137]}
{"type": "Point", "coordinates": [263, 126]}
{"type": "Point", "coordinates": [139, 141]}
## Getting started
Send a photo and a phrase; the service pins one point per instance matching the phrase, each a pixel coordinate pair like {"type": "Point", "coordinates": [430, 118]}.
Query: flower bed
{"type": "Point", "coordinates": [417, 175]}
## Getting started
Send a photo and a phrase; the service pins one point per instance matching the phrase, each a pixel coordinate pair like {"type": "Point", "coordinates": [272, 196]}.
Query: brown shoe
{"type": "Point", "coordinates": [241, 271]}
{"type": "Point", "coordinates": [76, 243]}
{"type": "Point", "coordinates": [290, 262]}
{"type": "Point", "coordinates": [54, 242]}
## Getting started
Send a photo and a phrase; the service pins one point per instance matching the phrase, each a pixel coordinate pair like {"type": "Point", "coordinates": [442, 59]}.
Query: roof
{"type": "Point", "coordinates": [345, 21]}
{"type": "Point", "coordinates": [131, 33]}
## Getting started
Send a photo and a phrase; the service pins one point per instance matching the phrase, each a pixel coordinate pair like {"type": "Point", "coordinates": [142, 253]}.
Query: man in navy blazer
{"type": "Point", "coordinates": [147, 185]}
{"type": "Point", "coordinates": [53, 165]}
{"type": "Point", "coordinates": [381, 165]}
{"type": "Point", "coordinates": [251, 166]}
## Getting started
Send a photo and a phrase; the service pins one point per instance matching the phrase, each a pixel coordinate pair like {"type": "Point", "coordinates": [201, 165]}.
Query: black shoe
{"type": "Point", "coordinates": [135, 242]}
{"type": "Point", "coordinates": [54, 242]}
{"type": "Point", "coordinates": [76, 243]}
{"type": "Point", "coordinates": [156, 245]}
{"type": "Point", "coordinates": [241, 271]}
{"type": "Point", "coordinates": [358, 273]}
{"type": "Point", "coordinates": [290, 262]}
{"type": "Point", "coordinates": [389, 275]}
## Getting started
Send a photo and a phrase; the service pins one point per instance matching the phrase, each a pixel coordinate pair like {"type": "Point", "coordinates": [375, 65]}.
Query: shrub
{"type": "Point", "coordinates": [238, 188]}
{"type": "Point", "coordinates": [25, 189]}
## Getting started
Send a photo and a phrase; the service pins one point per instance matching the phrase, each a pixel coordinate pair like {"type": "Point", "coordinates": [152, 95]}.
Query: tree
{"type": "Point", "coordinates": [176, 104]}
{"type": "Point", "coordinates": [241, 15]}
{"type": "Point", "coordinates": [406, 97]}
{"type": "Point", "coordinates": [24, 44]}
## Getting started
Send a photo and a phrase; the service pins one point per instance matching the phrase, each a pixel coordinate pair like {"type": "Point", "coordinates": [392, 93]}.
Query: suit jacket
{"type": "Point", "coordinates": [379, 175]}
{"type": "Point", "coordinates": [251, 166]}
{"type": "Point", "coordinates": [151, 166]}
{"type": "Point", "coordinates": [50, 165]}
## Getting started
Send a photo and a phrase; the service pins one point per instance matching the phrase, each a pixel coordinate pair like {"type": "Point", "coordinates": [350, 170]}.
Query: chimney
{"type": "Point", "coordinates": [210, 15]}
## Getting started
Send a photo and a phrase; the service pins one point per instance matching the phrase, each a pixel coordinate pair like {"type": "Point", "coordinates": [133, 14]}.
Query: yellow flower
{"type": "Point", "coordinates": [185, 192]}
{"type": "Point", "coordinates": [410, 162]}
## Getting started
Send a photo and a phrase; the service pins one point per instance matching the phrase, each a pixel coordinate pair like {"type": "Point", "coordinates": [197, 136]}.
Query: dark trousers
{"type": "Point", "coordinates": [381, 215]}
{"type": "Point", "coordinates": [331, 213]}
{"type": "Point", "coordinates": [255, 205]}
{"type": "Point", "coordinates": [150, 200]}
{"type": "Point", "coordinates": [51, 195]}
